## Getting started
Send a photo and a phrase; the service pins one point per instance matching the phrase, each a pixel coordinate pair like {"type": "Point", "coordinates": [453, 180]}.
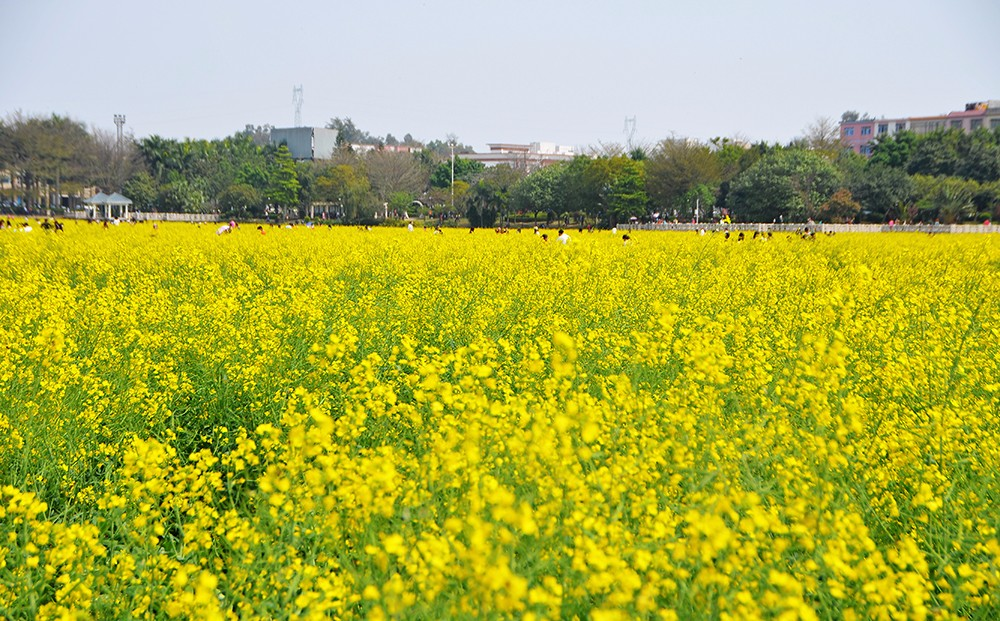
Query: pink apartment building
{"type": "Point", "coordinates": [860, 135]}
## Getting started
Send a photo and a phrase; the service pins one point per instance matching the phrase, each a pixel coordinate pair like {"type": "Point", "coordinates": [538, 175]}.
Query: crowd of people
{"type": "Point", "coordinates": [562, 236]}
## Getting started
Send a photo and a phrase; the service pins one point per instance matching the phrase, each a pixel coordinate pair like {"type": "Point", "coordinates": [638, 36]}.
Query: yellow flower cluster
{"type": "Point", "coordinates": [337, 423]}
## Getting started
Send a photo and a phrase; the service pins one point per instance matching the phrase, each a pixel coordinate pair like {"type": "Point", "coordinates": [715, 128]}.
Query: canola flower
{"type": "Point", "coordinates": [334, 423]}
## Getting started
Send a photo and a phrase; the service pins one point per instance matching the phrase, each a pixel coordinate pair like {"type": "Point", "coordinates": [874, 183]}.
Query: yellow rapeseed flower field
{"type": "Point", "coordinates": [350, 424]}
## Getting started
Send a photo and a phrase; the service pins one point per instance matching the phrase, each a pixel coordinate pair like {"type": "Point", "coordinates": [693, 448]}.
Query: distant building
{"type": "Point", "coordinates": [307, 143]}
{"type": "Point", "coordinates": [527, 157]}
{"type": "Point", "coordinates": [861, 134]}
{"type": "Point", "coordinates": [387, 148]}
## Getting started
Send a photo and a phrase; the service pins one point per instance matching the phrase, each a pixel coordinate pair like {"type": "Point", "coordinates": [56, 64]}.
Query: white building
{"type": "Point", "coordinates": [527, 157]}
{"type": "Point", "coordinates": [307, 143]}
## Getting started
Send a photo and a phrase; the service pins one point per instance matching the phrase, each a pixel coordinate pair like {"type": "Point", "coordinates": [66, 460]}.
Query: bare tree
{"type": "Point", "coordinates": [390, 172]}
{"type": "Point", "coordinates": [606, 149]}
{"type": "Point", "coordinates": [823, 134]}
{"type": "Point", "coordinates": [112, 163]}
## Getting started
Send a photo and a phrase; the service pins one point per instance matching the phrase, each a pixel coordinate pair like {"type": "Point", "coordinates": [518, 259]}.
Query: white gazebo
{"type": "Point", "coordinates": [94, 202]}
{"type": "Point", "coordinates": [111, 203]}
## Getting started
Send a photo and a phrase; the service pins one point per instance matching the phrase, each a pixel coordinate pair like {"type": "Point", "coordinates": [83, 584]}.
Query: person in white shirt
{"type": "Point", "coordinates": [563, 237]}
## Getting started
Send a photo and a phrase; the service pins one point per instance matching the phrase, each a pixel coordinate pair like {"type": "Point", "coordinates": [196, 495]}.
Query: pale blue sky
{"type": "Point", "coordinates": [513, 71]}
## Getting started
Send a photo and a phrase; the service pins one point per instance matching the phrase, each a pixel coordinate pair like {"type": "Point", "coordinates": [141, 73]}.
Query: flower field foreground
{"type": "Point", "coordinates": [336, 423]}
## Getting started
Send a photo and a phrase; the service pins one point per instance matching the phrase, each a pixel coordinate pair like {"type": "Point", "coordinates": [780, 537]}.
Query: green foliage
{"type": "Point", "coordinates": [348, 191]}
{"type": "Point", "coordinates": [947, 199]}
{"type": "Point", "coordinates": [465, 170]}
{"type": "Point", "coordinates": [539, 192]}
{"type": "Point", "coordinates": [489, 197]}
{"type": "Point", "coordinates": [51, 156]}
{"type": "Point", "coordinates": [441, 149]}
{"type": "Point", "coordinates": [142, 190]}
{"type": "Point", "coordinates": [240, 200]}
{"type": "Point", "coordinates": [678, 167]}
{"type": "Point", "coordinates": [882, 190]}
{"type": "Point", "coordinates": [935, 154]}
{"type": "Point", "coordinates": [701, 198]}
{"type": "Point", "coordinates": [894, 150]}
{"type": "Point", "coordinates": [400, 201]}
{"type": "Point", "coordinates": [732, 157]}
{"type": "Point", "coordinates": [840, 208]}
{"type": "Point", "coordinates": [347, 133]}
{"type": "Point", "coordinates": [626, 191]}
{"type": "Point", "coordinates": [790, 184]}
{"type": "Point", "coordinates": [283, 190]}
{"type": "Point", "coordinates": [179, 196]}
{"type": "Point", "coordinates": [580, 191]}
{"type": "Point", "coordinates": [979, 156]}
{"type": "Point", "coordinates": [45, 151]}
{"type": "Point", "coordinates": [987, 199]}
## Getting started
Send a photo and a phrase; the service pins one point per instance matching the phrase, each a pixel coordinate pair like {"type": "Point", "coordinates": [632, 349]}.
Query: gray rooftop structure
{"type": "Point", "coordinates": [307, 143]}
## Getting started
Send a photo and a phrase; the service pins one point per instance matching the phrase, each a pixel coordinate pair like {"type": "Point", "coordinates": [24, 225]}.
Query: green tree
{"type": "Point", "coordinates": [401, 202]}
{"type": "Point", "coordinates": [701, 200]}
{"type": "Point", "coordinates": [240, 200]}
{"type": "Point", "coordinates": [894, 149]}
{"type": "Point", "coordinates": [675, 169]}
{"type": "Point", "coordinates": [346, 190]}
{"type": "Point", "coordinates": [581, 183]}
{"type": "Point", "coordinates": [884, 192]}
{"type": "Point", "coordinates": [987, 200]}
{"type": "Point", "coordinates": [441, 149]}
{"type": "Point", "coordinates": [141, 189]}
{"type": "Point", "coordinates": [465, 170]}
{"type": "Point", "coordinates": [489, 197]}
{"type": "Point", "coordinates": [626, 192]}
{"type": "Point", "coordinates": [732, 156]}
{"type": "Point", "coordinates": [179, 196]}
{"type": "Point", "coordinates": [348, 133]}
{"type": "Point", "coordinates": [949, 199]}
{"type": "Point", "coordinates": [979, 156]}
{"type": "Point", "coordinates": [283, 187]}
{"type": "Point", "coordinates": [936, 154]}
{"type": "Point", "coordinates": [841, 207]}
{"type": "Point", "coordinates": [788, 184]}
{"type": "Point", "coordinates": [539, 193]}
{"type": "Point", "coordinates": [44, 153]}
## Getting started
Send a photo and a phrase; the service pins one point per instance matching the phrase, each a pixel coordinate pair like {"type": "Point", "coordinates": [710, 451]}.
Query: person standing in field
{"type": "Point", "coordinates": [563, 237]}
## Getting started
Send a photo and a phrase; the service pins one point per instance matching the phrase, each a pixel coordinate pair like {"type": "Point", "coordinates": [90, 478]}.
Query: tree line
{"type": "Point", "coordinates": [947, 176]}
